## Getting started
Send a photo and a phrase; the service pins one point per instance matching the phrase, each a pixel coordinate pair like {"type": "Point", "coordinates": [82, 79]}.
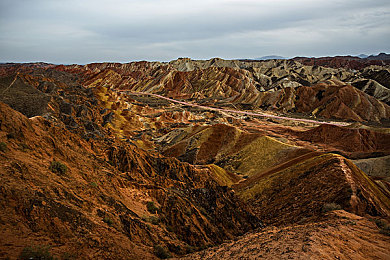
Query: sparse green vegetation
{"type": "Point", "coordinates": [93, 184]}
{"type": "Point", "coordinates": [190, 249]}
{"type": "Point", "coordinates": [68, 256]}
{"type": "Point", "coordinates": [188, 212]}
{"type": "Point", "coordinates": [58, 167]}
{"type": "Point", "coordinates": [151, 207]}
{"type": "Point", "coordinates": [36, 252]}
{"type": "Point", "coordinates": [385, 231]}
{"type": "Point", "coordinates": [330, 207]}
{"type": "Point", "coordinates": [108, 220]}
{"type": "Point", "coordinates": [151, 219]}
{"type": "Point", "coordinates": [380, 223]}
{"type": "Point", "coordinates": [384, 226]}
{"type": "Point", "coordinates": [170, 229]}
{"type": "Point", "coordinates": [154, 220]}
{"type": "Point", "coordinates": [3, 146]}
{"type": "Point", "coordinates": [161, 252]}
{"type": "Point", "coordinates": [11, 135]}
{"type": "Point", "coordinates": [23, 147]}
{"type": "Point", "coordinates": [203, 211]}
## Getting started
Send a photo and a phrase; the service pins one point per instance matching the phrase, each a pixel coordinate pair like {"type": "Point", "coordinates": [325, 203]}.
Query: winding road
{"type": "Point", "coordinates": [235, 111]}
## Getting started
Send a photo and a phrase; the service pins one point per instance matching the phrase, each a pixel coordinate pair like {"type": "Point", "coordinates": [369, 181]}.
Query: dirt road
{"type": "Point", "coordinates": [236, 111]}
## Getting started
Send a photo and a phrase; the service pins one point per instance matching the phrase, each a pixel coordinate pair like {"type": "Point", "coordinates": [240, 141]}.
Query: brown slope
{"type": "Point", "coordinates": [232, 149]}
{"type": "Point", "coordinates": [327, 100]}
{"type": "Point", "coordinates": [341, 235]}
{"type": "Point", "coordinates": [347, 62]}
{"type": "Point", "coordinates": [379, 74]}
{"type": "Point", "coordinates": [207, 143]}
{"type": "Point", "coordinates": [22, 96]}
{"type": "Point", "coordinates": [98, 209]}
{"type": "Point", "coordinates": [342, 102]}
{"type": "Point", "coordinates": [299, 191]}
{"type": "Point", "coordinates": [373, 88]}
{"type": "Point", "coordinates": [353, 142]}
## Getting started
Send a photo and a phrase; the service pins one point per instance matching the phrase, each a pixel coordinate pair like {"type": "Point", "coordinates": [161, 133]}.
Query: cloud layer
{"type": "Point", "coordinates": [73, 31]}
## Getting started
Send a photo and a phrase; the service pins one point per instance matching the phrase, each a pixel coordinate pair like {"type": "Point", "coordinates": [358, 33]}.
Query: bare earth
{"type": "Point", "coordinates": [341, 236]}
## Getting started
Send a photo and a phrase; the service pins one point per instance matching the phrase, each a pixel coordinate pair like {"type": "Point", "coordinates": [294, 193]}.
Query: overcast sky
{"type": "Point", "coordinates": [84, 31]}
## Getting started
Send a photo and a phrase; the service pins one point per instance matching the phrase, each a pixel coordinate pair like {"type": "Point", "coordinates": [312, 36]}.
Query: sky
{"type": "Point", "coordinates": [85, 31]}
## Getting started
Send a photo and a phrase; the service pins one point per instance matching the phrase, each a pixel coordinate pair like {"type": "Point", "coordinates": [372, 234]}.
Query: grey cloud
{"type": "Point", "coordinates": [118, 30]}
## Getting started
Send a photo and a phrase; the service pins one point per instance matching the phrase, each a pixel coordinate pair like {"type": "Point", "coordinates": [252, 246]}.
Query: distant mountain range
{"type": "Point", "coordinates": [271, 57]}
{"type": "Point", "coordinates": [362, 56]}
{"type": "Point", "coordinates": [380, 56]}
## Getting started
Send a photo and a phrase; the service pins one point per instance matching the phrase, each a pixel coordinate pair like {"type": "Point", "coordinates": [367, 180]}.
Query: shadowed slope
{"type": "Point", "coordinates": [232, 149]}
{"type": "Point", "coordinates": [353, 142]}
{"type": "Point", "coordinates": [299, 190]}
{"type": "Point", "coordinates": [341, 235]}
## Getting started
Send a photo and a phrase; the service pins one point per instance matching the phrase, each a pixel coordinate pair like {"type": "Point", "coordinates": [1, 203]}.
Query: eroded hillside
{"type": "Point", "coordinates": [157, 159]}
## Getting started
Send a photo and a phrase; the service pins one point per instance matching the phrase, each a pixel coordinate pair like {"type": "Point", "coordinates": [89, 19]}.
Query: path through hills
{"type": "Point", "coordinates": [235, 111]}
